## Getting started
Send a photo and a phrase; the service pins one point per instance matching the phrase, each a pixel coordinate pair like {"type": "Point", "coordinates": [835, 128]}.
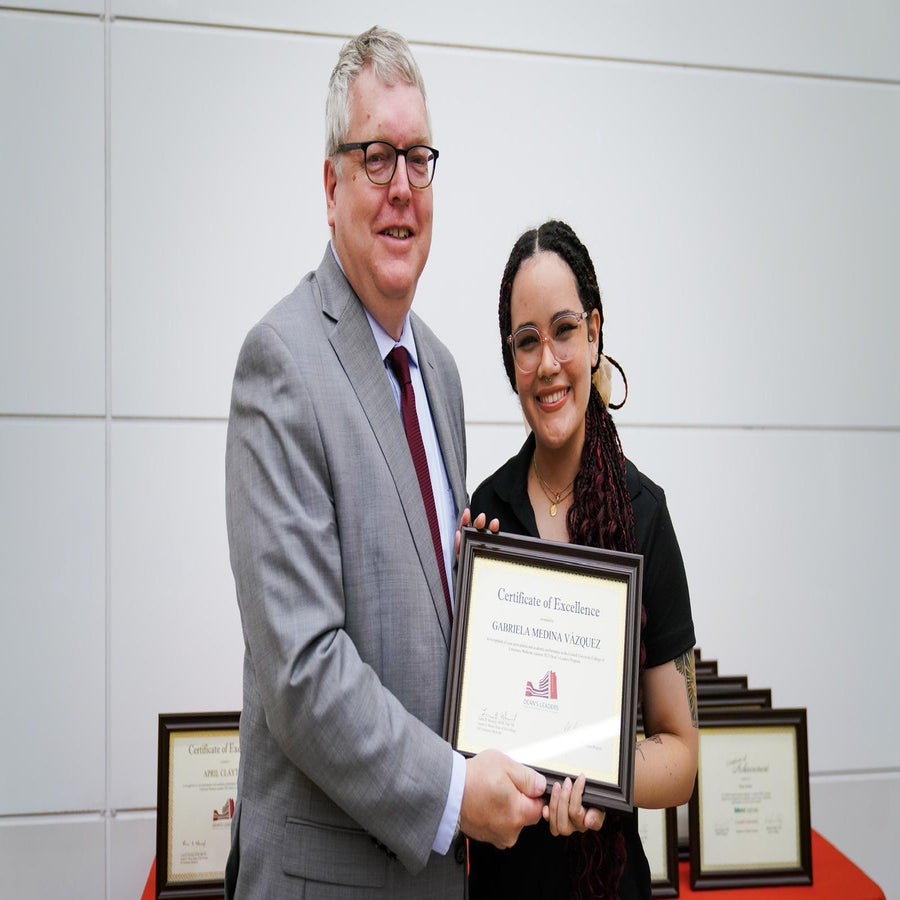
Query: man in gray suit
{"type": "Point", "coordinates": [346, 788]}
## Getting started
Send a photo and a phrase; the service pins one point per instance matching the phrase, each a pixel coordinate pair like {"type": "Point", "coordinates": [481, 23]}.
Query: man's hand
{"type": "Point", "coordinates": [500, 798]}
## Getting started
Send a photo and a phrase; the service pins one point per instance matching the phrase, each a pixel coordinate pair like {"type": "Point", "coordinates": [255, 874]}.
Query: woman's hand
{"type": "Point", "coordinates": [479, 523]}
{"type": "Point", "coordinates": [566, 815]}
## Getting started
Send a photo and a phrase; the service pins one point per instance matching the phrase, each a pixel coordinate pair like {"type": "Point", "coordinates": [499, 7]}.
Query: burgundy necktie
{"type": "Point", "coordinates": [399, 362]}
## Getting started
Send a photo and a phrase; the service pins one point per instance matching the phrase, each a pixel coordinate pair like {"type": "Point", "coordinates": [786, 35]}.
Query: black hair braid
{"type": "Point", "coordinates": [601, 514]}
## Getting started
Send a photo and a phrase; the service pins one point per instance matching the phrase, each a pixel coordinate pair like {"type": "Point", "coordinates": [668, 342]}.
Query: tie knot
{"type": "Point", "coordinates": [399, 361]}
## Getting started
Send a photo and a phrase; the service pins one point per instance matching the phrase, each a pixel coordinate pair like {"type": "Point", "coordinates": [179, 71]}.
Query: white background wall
{"type": "Point", "coordinates": [733, 168]}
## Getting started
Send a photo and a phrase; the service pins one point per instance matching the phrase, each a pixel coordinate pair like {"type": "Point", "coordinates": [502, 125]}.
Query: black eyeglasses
{"type": "Point", "coordinates": [381, 162]}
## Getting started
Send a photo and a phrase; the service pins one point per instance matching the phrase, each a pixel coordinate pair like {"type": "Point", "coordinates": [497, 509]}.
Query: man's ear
{"type": "Point", "coordinates": [330, 175]}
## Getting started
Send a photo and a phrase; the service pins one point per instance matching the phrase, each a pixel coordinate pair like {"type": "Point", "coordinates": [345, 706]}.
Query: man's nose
{"type": "Point", "coordinates": [399, 187]}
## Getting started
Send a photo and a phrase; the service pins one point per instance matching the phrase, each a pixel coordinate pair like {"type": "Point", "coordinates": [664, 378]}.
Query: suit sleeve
{"type": "Point", "coordinates": [324, 705]}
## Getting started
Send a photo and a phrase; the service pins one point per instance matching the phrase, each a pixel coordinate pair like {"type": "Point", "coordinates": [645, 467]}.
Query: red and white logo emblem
{"type": "Point", "coordinates": [545, 688]}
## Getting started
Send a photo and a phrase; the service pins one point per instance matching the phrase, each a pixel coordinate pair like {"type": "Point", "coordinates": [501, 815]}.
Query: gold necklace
{"type": "Point", "coordinates": [555, 497]}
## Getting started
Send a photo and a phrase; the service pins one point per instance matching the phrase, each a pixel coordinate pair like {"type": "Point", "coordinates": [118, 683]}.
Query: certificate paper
{"type": "Point", "coordinates": [652, 832]}
{"type": "Point", "coordinates": [749, 812]}
{"type": "Point", "coordinates": [203, 768]}
{"type": "Point", "coordinates": [546, 665]}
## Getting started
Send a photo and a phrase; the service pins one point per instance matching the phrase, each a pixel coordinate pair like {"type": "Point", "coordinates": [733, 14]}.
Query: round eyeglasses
{"type": "Point", "coordinates": [527, 342]}
{"type": "Point", "coordinates": [381, 162]}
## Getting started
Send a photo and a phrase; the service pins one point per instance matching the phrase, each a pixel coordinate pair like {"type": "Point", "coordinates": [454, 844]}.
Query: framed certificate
{"type": "Point", "coordinates": [715, 684]}
{"type": "Point", "coordinates": [657, 829]}
{"type": "Point", "coordinates": [751, 698]}
{"type": "Point", "coordinates": [749, 815]}
{"type": "Point", "coordinates": [706, 667]}
{"type": "Point", "coordinates": [196, 790]}
{"type": "Point", "coordinates": [544, 659]}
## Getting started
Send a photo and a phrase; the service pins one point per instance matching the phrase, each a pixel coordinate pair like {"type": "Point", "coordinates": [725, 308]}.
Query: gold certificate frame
{"type": "Point", "coordinates": [749, 814]}
{"type": "Point", "coordinates": [197, 767]}
{"type": "Point", "coordinates": [544, 659]}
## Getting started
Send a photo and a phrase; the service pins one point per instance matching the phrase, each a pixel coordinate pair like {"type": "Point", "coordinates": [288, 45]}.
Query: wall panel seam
{"type": "Point", "coordinates": [528, 52]}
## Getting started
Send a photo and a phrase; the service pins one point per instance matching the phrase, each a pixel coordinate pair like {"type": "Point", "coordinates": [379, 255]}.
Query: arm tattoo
{"type": "Point", "coordinates": [639, 746]}
{"type": "Point", "coordinates": [685, 665]}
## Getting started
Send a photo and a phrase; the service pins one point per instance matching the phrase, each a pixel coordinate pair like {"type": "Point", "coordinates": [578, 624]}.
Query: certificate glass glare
{"type": "Point", "coordinates": [749, 814]}
{"type": "Point", "coordinates": [544, 659]}
{"type": "Point", "coordinates": [199, 754]}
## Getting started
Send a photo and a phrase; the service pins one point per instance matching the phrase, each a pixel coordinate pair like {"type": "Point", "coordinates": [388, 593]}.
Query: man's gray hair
{"type": "Point", "coordinates": [390, 58]}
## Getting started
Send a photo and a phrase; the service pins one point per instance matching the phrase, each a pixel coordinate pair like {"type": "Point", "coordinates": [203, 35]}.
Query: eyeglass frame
{"type": "Point", "coordinates": [545, 339]}
{"type": "Point", "coordinates": [364, 146]}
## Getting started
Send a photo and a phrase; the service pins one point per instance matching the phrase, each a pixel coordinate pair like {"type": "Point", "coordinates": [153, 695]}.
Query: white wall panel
{"type": "Point", "coordinates": [43, 858]}
{"type": "Point", "coordinates": [740, 227]}
{"type": "Point", "coordinates": [52, 302]}
{"type": "Point", "coordinates": [861, 817]}
{"type": "Point", "coordinates": [176, 642]}
{"type": "Point", "coordinates": [488, 447]}
{"type": "Point", "coordinates": [771, 207]}
{"type": "Point", "coordinates": [836, 37]}
{"type": "Point", "coordinates": [52, 610]}
{"type": "Point", "coordinates": [132, 848]}
{"type": "Point", "coordinates": [218, 202]}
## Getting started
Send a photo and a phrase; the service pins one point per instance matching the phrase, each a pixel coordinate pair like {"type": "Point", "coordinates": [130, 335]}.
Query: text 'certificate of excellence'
{"type": "Point", "coordinates": [547, 664]}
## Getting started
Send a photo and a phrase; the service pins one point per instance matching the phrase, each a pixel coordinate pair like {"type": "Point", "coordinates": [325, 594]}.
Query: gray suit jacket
{"type": "Point", "coordinates": [343, 775]}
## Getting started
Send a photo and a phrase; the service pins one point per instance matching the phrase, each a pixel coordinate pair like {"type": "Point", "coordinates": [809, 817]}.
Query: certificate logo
{"type": "Point", "coordinates": [545, 688]}
{"type": "Point", "coordinates": [226, 813]}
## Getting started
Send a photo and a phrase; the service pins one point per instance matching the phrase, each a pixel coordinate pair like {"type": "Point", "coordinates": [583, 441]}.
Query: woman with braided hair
{"type": "Point", "coordinates": [571, 482]}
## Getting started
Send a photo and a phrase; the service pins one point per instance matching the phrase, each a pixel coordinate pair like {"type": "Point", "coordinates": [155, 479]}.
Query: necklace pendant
{"type": "Point", "coordinates": [553, 509]}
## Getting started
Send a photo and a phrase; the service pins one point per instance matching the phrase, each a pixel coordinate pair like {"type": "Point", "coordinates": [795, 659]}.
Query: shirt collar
{"type": "Point", "coordinates": [386, 343]}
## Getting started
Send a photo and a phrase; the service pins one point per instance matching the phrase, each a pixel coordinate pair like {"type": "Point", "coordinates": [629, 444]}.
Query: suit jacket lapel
{"type": "Point", "coordinates": [357, 352]}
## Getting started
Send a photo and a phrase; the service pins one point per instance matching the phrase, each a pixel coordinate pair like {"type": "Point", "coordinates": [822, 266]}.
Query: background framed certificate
{"type": "Point", "coordinates": [544, 659]}
{"type": "Point", "coordinates": [658, 829]}
{"type": "Point", "coordinates": [727, 701]}
{"type": "Point", "coordinates": [196, 791]}
{"type": "Point", "coordinates": [749, 815]}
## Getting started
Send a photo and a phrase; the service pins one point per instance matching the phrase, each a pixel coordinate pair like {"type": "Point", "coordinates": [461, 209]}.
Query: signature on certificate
{"type": "Point", "coordinates": [497, 721]}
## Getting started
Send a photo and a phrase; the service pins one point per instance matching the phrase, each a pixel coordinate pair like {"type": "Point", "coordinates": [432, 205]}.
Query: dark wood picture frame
{"type": "Point", "coordinates": [754, 875]}
{"type": "Point", "coordinates": [726, 701]}
{"type": "Point", "coordinates": [171, 725]}
{"type": "Point", "coordinates": [714, 684]}
{"type": "Point", "coordinates": [625, 568]}
{"type": "Point", "coordinates": [706, 667]}
{"type": "Point", "coordinates": [668, 886]}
